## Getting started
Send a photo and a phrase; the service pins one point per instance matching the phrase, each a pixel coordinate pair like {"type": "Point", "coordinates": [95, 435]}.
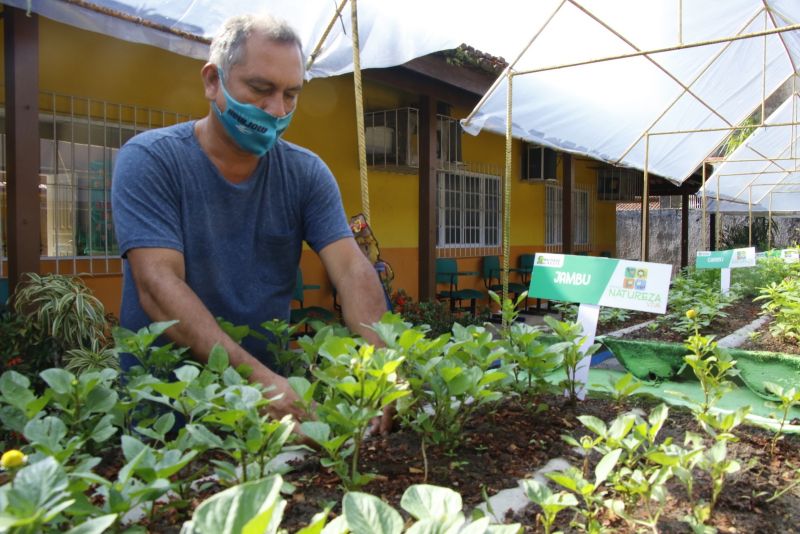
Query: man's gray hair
{"type": "Point", "coordinates": [227, 47]}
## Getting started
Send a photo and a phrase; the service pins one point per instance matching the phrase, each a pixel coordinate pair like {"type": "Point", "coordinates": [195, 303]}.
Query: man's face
{"type": "Point", "coordinates": [270, 76]}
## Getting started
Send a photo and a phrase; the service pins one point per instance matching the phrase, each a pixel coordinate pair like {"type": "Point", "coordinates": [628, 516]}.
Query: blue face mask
{"type": "Point", "coordinates": [250, 127]}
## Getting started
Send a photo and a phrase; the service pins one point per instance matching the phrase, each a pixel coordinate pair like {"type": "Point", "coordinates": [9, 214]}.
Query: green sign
{"type": "Point", "coordinates": [789, 255]}
{"type": "Point", "coordinates": [726, 259]}
{"type": "Point", "coordinates": [632, 285]}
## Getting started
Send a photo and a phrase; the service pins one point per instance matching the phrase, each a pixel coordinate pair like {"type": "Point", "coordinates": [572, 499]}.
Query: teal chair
{"type": "Point", "coordinates": [492, 277]}
{"type": "Point", "coordinates": [525, 268]}
{"type": "Point", "coordinates": [303, 312]}
{"type": "Point", "coordinates": [447, 273]}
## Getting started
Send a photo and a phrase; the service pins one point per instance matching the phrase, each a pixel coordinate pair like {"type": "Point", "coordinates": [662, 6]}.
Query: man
{"type": "Point", "coordinates": [211, 215]}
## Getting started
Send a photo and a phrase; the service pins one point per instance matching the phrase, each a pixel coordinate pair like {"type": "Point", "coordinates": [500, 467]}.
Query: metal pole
{"type": "Point", "coordinates": [645, 200]}
{"type": "Point", "coordinates": [769, 224]}
{"type": "Point", "coordinates": [719, 217]}
{"type": "Point", "coordinates": [750, 217]}
{"type": "Point", "coordinates": [703, 210]}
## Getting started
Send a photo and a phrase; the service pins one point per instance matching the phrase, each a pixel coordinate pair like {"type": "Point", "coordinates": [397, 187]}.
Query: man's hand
{"type": "Point", "coordinates": [385, 423]}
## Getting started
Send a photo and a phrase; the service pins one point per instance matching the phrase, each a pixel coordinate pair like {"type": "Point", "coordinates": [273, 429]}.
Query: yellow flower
{"type": "Point", "coordinates": [691, 314]}
{"type": "Point", "coordinates": [12, 458]}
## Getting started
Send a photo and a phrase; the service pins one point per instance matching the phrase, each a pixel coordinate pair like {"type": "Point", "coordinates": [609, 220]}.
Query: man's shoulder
{"type": "Point", "coordinates": [297, 153]}
{"type": "Point", "coordinates": [177, 133]}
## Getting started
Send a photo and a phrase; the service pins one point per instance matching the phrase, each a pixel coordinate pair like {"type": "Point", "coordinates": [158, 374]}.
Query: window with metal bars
{"type": "Point", "coordinates": [468, 209]}
{"type": "Point", "coordinates": [79, 140]}
{"type": "Point", "coordinates": [581, 216]}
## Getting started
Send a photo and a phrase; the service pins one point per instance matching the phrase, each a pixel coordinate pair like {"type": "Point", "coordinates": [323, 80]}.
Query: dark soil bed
{"type": "Point", "coordinates": [739, 314]}
{"type": "Point", "coordinates": [512, 440]}
{"type": "Point", "coordinates": [764, 340]}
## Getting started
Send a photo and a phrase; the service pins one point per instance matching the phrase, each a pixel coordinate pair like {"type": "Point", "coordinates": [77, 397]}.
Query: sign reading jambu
{"type": "Point", "coordinates": [632, 285]}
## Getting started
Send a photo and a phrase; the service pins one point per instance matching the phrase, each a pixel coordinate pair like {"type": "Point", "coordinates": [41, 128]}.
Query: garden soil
{"type": "Point", "coordinates": [515, 438]}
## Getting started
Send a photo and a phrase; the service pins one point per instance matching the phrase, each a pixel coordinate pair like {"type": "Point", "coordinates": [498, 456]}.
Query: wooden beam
{"type": "Point", "coordinates": [427, 198]}
{"type": "Point", "coordinates": [416, 83]}
{"type": "Point", "coordinates": [21, 40]}
{"type": "Point", "coordinates": [470, 80]}
{"type": "Point", "coordinates": [566, 203]}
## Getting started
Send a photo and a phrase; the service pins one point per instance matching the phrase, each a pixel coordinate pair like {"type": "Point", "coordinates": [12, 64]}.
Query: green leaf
{"type": "Point", "coordinates": [47, 432]}
{"type": "Point", "coordinates": [98, 525]}
{"type": "Point", "coordinates": [367, 514]}
{"type": "Point", "coordinates": [218, 359]}
{"type": "Point", "coordinates": [101, 400]}
{"type": "Point", "coordinates": [203, 436]}
{"type": "Point", "coordinates": [232, 510]}
{"type": "Point", "coordinates": [58, 379]}
{"type": "Point", "coordinates": [424, 501]}
{"type": "Point", "coordinates": [187, 373]}
{"type": "Point", "coordinates": [563, 479]}
{"type": "Point", "coordinates": [172, 390]}
{"type": "Point", "coordinates": [39, 487]}
{"type": "Point", "coordinates": [267, 521]}
{"type": "Point", "coordinates": [449, 373]}
{"type": "Point", "coordinates": [164, 423]}
{"type": "Point", "coordinates": [594, 424]}
{"type": "Point", "coordinates": [14, 389]}
{"type": "Point", "coordinates": [317, 523]}
{"type": "Point", "coordinates": [301, 386]}
{"type": "Point", "coordinates": [605, 466]}
{"type": "Point", "coordinates": [316, 430]}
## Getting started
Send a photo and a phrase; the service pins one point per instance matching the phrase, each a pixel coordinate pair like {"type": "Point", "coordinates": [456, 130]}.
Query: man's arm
{"type": "Point", "coordinates": [357, 284]}
{"type": "Point", "coordinates": [164, 295]}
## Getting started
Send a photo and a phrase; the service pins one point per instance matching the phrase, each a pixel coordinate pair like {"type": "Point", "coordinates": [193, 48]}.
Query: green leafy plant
{"type": "Point", "coordinates": [94, 357]}
{"type": "Point", "coordinates": [530, 357]}
{"type": "Point", "coordinates": [438, 317]}
{"type": "Point", "coordinates": [550, 503]}
{"type": "Point", "coordinates": [38, 499]}
{"type": "Point", "coordinates": [786, 399]}
{"type": "Point", "coordinates": [60, 308]}
{"type": "Point", "coordinates": [572, 339]}
{"type": "Point", "coordinates": [712, 366]}
{"type": "Point", "coordinates": [698, 290]}
{"type": "Point", "coordinates": [289, 362]}
{"type": "Point", "coordinates": [782, 302]}
{"type": "Point", "coordinates": [623, 387]}
{"type": "Point", "coordinates": [716, 462]}
{"type": "Point", "coordinates": [156, 360]}
{"type": "Point", "coordinates": [591, 493]}
{"type": "Point", "coordinates": [357, 383]}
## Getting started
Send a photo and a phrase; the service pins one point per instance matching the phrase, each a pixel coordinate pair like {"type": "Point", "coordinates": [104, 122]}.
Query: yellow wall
{"type": "Point", "coordinates": [88, 65]}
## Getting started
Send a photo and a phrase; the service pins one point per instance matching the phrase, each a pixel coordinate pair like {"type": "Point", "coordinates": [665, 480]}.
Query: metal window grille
{"type": "Point", "coordinates": [619, 184]}
{"type": "Point", "coordinates": [468, 211]}
{"type": "Point", "coordinates": [79, 140]}
{"type": "Point", "coordinates": [392, 139]}
{"type": "Point", "coordinates": [582, 218]}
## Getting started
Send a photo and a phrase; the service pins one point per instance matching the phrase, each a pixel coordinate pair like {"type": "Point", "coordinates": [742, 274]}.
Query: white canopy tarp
{"type": "Point", "coordinates": [606, 109]}
{"type": "Point", "coordinates": [763, 171]}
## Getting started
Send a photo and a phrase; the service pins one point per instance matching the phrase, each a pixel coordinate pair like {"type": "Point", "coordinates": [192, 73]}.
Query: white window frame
{"type": "Point", "coordinates": [468, 209]}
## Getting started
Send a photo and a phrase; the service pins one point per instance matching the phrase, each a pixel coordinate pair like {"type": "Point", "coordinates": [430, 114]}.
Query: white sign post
{"type": "Point", "coordinates": [588, 315]}
{"type": "Point", "coordinates": [594, 282]}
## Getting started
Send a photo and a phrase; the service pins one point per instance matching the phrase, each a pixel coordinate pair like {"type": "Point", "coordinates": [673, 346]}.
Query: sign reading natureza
{"type": "Point", "coordinates": [633, 285]}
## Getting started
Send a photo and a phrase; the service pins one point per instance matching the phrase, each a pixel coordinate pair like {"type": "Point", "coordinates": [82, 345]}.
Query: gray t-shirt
{"type": "Point", "coordinates": [241, 243]}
